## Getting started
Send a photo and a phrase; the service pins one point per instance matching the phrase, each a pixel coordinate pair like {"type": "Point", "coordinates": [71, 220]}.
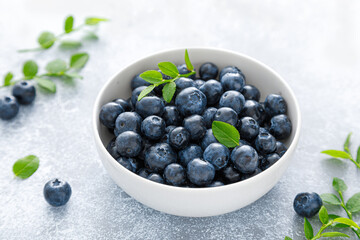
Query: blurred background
{"type": "Point", "coordinates": [314, 45]}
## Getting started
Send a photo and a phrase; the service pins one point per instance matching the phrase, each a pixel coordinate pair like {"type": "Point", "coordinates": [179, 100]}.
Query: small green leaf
{"type": "Point", "coordinates": [189, 66]}
{"type": "Point", "coordinates": [73, 75]}
{"type": "Point", "coordinates": [94, 20]}
{"type": "Point", "coordinates": [308, 230]}
{"type": "Point", "coordinates": [226, 134]}
{"type": "Point", "coordinates": [68, 45]}
{"type": "Point", "coordinates": [46, 84]}
{"type": "Point", "coordinates": [46, 39]}
{"type": "Point", "coordinates": [7, 79]}
{"type": "Point", "coordinates": [353, 204]}
{"type": "Point", "coordinates": [69, 23]}
{"type": "Point", "coordinates": [358, 155]}
{"type": "Point", "coordinates": [146, 91]}
{"type": "Point", "coordinates": [56, 66]}
{"type": "Point", "coordinates": [79, 60]}
{"type": "Point", "coordinates": [25, 167]}
{"type": "Point", "coordinates": [152, 76]}
{"type": "Point", "coordinates": [169, 69]}
{"type": "Point", "coordinates": [347, 222]}
{"type": "Point", "coordinates": [334, 234]}
{"type": "Point", "coordinates": [90, 36]}
{"type": "Point", "coordinates": [323, 215]}
{"type": "Point", "coordinates": [330, 198]}
{"type": "Point", "coordinates": [347, 143]}
{"type": "Point", "coordinates": [169, 91]}
{"type": "Point", "coordinates": [339, 185]}
{"type": "Point", "coordinates": [287, 238]}
{"type": "Point", "coordinates": [337, 154]}
{"type": "Point", "coordinates": [30, 69]}
{"type": "Point", "coordinates": [337, 225]}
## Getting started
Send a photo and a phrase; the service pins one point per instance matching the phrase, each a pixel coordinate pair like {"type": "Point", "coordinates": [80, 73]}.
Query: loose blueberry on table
{"type": "Point", "coordinates": [57, 192]}
{"type": "Point", "coordinates": [164, 131]}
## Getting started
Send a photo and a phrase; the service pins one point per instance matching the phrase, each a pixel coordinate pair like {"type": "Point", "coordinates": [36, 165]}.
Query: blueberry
{"type": "Point", "coordinates": [200, 172]}
{"type": "Point", "coordinates": [265, 143]}
{"type": "Point", "coordinates": [128, 144]}
{"type": "Point", "coordinates": [280, 148]}
{"type": "Point", "coordinates": [143, 172]}
{"type": "Point", "coordinates": [127, 121]}
{"type": "Point", "coordinates": [227, 115]}
{"type": "Point", "coordinates": [255, 110]}
{"type": "Point", "coordinates": [269, 160]}
{"type": "Point", "coordinates": [232, 81]}
{"type": "Point", "coordinates": [111, 148]}
{"type": "Point", "coordinates": [158, 156]}
{"type": "Point", "coordinates": [123, 103]}
{"type": "Point", "coordinates": [169, 128]}
{"type": "Point", "coordinates": [189, 153]}
{"type": "Point", "coordinates": [208, 139]}
{"type": "Point", "coordinates": [232, 99]}
{"type": "Point", "coordinates": [129, 163]}
{"type": "Point", "coordinates": [230, 69]}
{"type": "Point", "coordinates": [250, 92]}
{"type": "Point", "coordinates": [183, 70]}
{"type": "Point", "coordinates": [191, 101]}
{"type": "Point", "coordinates": [137, 81]}
{"type": "Point", "coordinates": [216, 184]}
{"type": "Point", "coordinates": [108, 114]}
{"type": "Point", "coordinates": [179, 138]}
{"type": "Point", "coordinates": [212, 90]}
{"type": "Point", "coordinates": [183, 83]}
{"type": "Point", "coordinates": [155, 178]}
{"type": "Point", "coordinates": [249, 175]}
{"type": "Point", "coordinates": [150, 106]}
{"type": "Point", "coordinates": [307, 204]}
{"type": "Point", "coordinates": [24, 92]}
{"type": "Point", "coordinates": [275, 105]}
{"type": "Point", "coordinates": [208, 71]}
{"type": "Point", "coordinates": [230, 174]}
{"type": "Point", "coordinates": [245, 158]}
{"type": "Point", "coordinates": [195, 125]}
{"type": "Point", "coordinates": [248, 128]}
{"type": "Point", "coordinates": [172, 116]}
{"type": "Point", "coordinates": [208, 116]}
{"type": "Point", "coordinates": [174, 174]}
{"type": "Point", "coordinates": [9, 107]}
{"type": "Point", "coordinates": [153, 127]}
{"type": "Point", "coordinates": [217, 154]}
{"type": "Point", "coordinates": [198, 83]}
{"type": "Point", "coordinates": [280, 126]}
{"type": "Point", "coordinates": [135, 94]}
{"type": "Point", "coordinates": [57, 192]}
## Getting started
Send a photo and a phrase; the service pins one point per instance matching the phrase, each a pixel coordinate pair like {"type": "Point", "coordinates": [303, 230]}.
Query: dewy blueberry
{"type": "Point", "coordinates": [232, 81]}
{"type": "Point", "coordinates": [123, 103]}
{"type": "Point", "coordinates": [158, 156]}
{"type": "Point", "coordinates": [24, 92]}
{"type": "Point", "coordinates": [307, 204]}
{"type": "Point", "coordinates": [153, 127]}
{"type": "Point", "coordinates": [57, 192]}
{"type": "Point", "coordinates": [208, 116]}
{"type": "Point", "coordinates": [179, 138]}
{"type": "Point", "coordinates": [212, 90]}
{"type": "Point", "coordinates": [255, 110]}
{"type": "Point", "coordinates": [248, 128]}
{"type": "Point", "coordinates": [232, 99]}
{"type": "Point", "coordinates": [9, 107]}
{"type": "Point", "coordinates": [275, 104]}
{"type": "Point", "coordinates": [150, 106]}
{"type": "Point", "coordinates": [191, 101]}
{"type": "Point", "coordinates": [128, 144]}
{"type": "Point", "coordinates": [108, 114]}
{"type": "Point", "coordinates": [280, 126]}
{"type": "Point", "coordinates": [127, 121]}
{"type": "Point", "coordinates": [183, 83]}
{"type": "Point", "coordinates": [172, 116]}
{"type": "Point", "coordinates": [174, 174]}
{"type": "Point", "coordinates": [189, 153]}
{"type": "Point", "coordinates": [245, 159]}
{"type": "Point", "coordinates": [217, 154]}
{"type": "Point", "coordinates": [195, 125]}
{"type": "Point", "coordinates": [208, 71]}
{"type": "Point", "coordinates": [200, 172]}
{"type": "Point", "coordinates": [227, 115]}
{"type": "Point", "coordinates": [135, 94]}
{"type": "Point", "coordinates": [129, 163]}
{"type": "Point", "coordinates": [250, 92]}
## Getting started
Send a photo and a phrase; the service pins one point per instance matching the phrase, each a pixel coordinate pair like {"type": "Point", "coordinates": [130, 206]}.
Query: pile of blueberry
{"type": "Point", "coordinates": [22, 93]}
{"type": "Point", "coordinates": [173, 143]}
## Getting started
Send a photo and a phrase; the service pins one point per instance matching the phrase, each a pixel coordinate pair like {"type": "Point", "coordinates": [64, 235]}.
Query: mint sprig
{"type": "Point", "coordinates": [47, 39]}
{"type": "Point", "coordinates": [345, 154]}
{"type": "Point", "coordinates": [156, 78]}
{"type": "Point", "coordinates": [25, 167]}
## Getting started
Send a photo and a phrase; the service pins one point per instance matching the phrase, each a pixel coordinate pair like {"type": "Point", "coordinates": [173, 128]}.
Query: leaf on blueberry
{"type": "Point", "coordinates": [169, 91]}
{"type": "Point", "coordinates": [25, 167]}
{"type": "Point", "coordinates": [337, 225]}
{"type": "Point", "coordinates": [7, 79]}
{"type": "Point", "coordinates": [46, 84]}
{"type": "Point", "coordinates": [145, 92]}
{"type": "Point", "coordinates": [169, 69]}
{"type": "Point", "coordinates": [339, 185]}
{"type": "Point", "coordinates": [337, 154]}
{"type": "Point", "coordinates": [152, 76]}
{"type": "Point", "coordinates": [330, 198]}
{"type": "Point", "coordinates": [353, 204]}
{"type": "Point", "coordinates": [56, 66]}
{"type": "Point", "coordinates": [46, 39]}
{"type": "Point", "coordinates": [30, 69]}
{"type": "Point", "coordinates": [309, 232]}
{"type": "Point", "coordinates": [323, 215]}
{"type": "Point", "coordinates": [226, 134]}
{"type": "Point", "coordinates": [79, 60]}
{"type": "Point", "coordinates": [69, 23]}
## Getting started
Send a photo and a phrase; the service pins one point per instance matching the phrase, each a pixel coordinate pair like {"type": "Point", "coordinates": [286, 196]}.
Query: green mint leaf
{"type": "Point", "coordinates": [308, 230]}
{"type": "Point", "coordinates": [189, 66]}
{"type": "Point", "coordinates": [73, 75]}
{"type": "Point", "coordinates": [334, 234]}
{"type": "Point", "coordinates": [90, 36]}
{"type": "Point", "coordinates": [346, 221]}
{"type": "Point", "coordinates": [25, 167]}
{"type": "Point", "coordinates": [347, 143]}
{"type": "Point", "coordinates": [94, 20]}
{"type": "Point", "coordinates": [330, 198]}
{"type": "Point", "coordinates": [169, 69]}
{"type": "Point", "coordinates": [339, 185]}
{"type": "Point", "coordinates": [68, 45]}
{"type": "Point", "coordinates": [79, 60]}
{"type": "Point", "coordinates": [337, 154]}
{"type": "Point", "coordinates": [46, 84]}
{"type": "Point", "coordinates": [226, 134]}
{"type": "Point", "coordinates": [152, 76]}
{"type": "Point", "coordinates": [146, 91]}
{"type": "Point", "coordinates": [323, 215]}
{"type": "Point", "coordinates": [69, 23]}
{"type": "Point", "coordinates": [337, 225]}
{"type": "Point", "coordinates": [30, 69]}
{"type": "Point", "coordinates": [7, 79]}
{"type": "Point", "coordinates": [169, 91]}
{"type": "Point", "coordinates": [287, 238]}
{"type": "Point", "coordinates": [353, 204]}
{"type": "Point", "coordinates": [56, 66]}
{"type": "Point", "coordinates": [358, 155]}
{"type": "Point", "coordinates": [46, 39]}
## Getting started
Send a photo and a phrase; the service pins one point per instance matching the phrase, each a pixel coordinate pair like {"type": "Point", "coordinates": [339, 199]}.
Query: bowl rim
{"type": "Point", "coordinates": [114, 163]}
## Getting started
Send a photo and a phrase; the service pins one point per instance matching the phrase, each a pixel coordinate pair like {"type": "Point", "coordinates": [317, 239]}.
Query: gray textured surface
{"type": "Point", "coordinates": [313, 45]}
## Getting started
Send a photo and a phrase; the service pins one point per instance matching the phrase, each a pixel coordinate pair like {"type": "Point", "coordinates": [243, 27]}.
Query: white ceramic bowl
{"type": "Point", "coordinates": [197, 202]}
